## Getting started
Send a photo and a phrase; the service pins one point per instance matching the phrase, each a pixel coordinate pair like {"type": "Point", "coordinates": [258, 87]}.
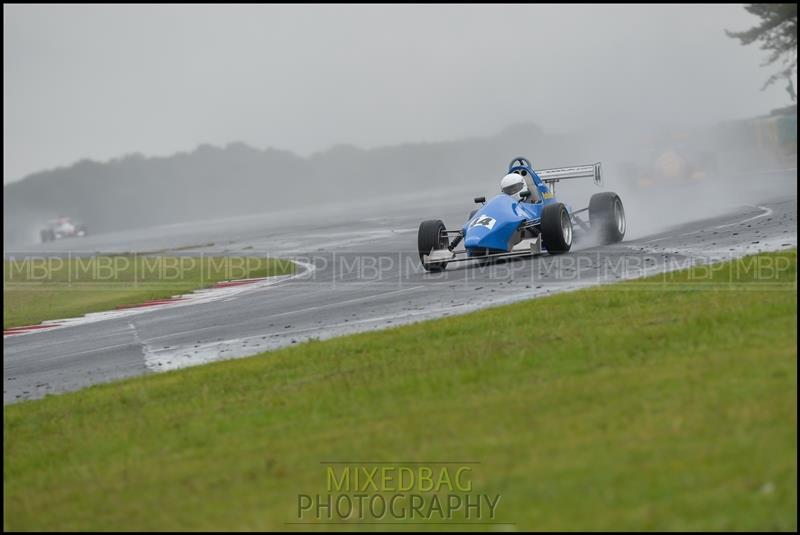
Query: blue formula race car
{"type": "Point", "coordinates": [524, 219]}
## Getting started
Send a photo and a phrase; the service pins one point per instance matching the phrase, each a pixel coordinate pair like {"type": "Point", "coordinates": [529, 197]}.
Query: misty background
{"type": "Point", "coordinates": [129, 116]}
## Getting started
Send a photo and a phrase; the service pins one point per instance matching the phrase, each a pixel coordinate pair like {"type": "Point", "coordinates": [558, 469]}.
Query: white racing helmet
{"type": "Point", "coordinates": [513, 184]}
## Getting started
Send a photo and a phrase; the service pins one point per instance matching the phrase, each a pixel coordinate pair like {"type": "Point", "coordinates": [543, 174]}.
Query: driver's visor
{"type": "Point", "coordinates": [513, 188]}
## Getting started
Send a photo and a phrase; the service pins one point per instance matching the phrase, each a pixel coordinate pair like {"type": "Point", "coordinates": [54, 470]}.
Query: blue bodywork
{"type": "Point", "coordinates": [493, 226]}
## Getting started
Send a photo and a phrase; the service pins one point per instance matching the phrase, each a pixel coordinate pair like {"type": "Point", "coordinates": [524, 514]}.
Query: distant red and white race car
{"type": "Point", "coordinates": [60, 228]}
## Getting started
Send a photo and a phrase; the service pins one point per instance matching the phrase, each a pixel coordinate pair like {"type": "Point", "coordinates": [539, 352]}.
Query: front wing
{"type": "Point", "coordinates": [527, 247]}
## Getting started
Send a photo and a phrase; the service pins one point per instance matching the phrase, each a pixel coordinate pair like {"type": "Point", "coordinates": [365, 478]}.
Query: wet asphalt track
{"type": "Point", "coordinates": [366, 276]}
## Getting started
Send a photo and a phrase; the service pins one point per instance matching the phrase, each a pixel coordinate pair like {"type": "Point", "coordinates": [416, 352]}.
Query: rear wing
{"type": "Point", "coordinates": [551, 176]}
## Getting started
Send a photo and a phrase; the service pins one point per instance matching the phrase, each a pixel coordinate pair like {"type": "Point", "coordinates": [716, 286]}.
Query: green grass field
{"type": "Point", "coordinates": [35, 290]}
{"type": "Point", "coordinates": [668, 403]}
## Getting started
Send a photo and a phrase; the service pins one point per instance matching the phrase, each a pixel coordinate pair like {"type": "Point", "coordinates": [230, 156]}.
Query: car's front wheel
{"type": "Point", "coordinates": [432, 236]}
{"type": "Point", "coordinates": [556, 228]}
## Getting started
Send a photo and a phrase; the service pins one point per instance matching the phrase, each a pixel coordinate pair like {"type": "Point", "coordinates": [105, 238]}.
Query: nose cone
{"type": "Point", "coordinates": [495, 239]}
{"type": "Point", "coordinates": [492, 226]}
{"type": "Point", "coordinates": [475, 237]}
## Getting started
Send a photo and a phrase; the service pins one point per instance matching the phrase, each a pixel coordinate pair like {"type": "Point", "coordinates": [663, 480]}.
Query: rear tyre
{"type": "Point", "coordinates": [46, 236]}
{"type": "Point", "coordinates": [432, 236]}
{"type": "Point", "coordinates": [556, 228]}
{"type": "Point", "coordinates": [607, 217]}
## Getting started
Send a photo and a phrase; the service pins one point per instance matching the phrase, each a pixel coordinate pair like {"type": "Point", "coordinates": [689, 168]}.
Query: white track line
{"type": "Point", "coordinates": [206, 295]}
{"type": "Point", "coordinates": [767, 211]}
{"type": "Point", "coordinates": [175, 357]}
{"type": "Point", "coordinates": [303, 310]}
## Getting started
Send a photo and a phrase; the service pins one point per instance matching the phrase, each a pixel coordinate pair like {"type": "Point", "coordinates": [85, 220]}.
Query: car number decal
{"type": "Point", "coordinates": [483, 221]}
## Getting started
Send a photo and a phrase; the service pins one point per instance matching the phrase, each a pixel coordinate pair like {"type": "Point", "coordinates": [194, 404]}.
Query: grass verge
{"type": "Point", "coordinates": [38, 289]}
{"type": "Point", "coordinates": [668, 403]}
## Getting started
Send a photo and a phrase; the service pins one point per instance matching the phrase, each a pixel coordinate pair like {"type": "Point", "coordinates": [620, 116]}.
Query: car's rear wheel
{"type": "Point", "coordinates": [607, 217]}
{"type": "Point", "coordinates": [432, 236]}
{"type": "Point", "coordinates": [556, 228]}
{"type": "Point", "coordinates": [46, 235]}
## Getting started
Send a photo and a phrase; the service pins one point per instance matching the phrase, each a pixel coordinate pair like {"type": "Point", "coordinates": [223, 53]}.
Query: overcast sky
{"type": "Point", "coordinates": [103, 81]}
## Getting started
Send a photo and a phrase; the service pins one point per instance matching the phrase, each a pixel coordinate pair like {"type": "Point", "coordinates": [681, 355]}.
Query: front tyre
{"type": "Point", "coordinates": [607, 217]}
{"type": "Point", "coordinates": [432, 236]}
{"type": "Point", "coordinates": [556, 228]}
